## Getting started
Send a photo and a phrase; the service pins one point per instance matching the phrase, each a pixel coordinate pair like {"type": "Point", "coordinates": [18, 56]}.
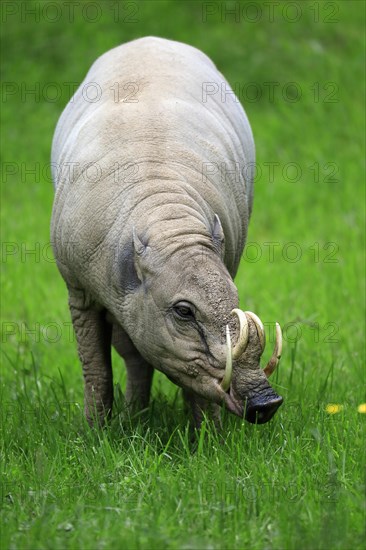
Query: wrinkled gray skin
{"type": "Point", "coordinates": [140, 230]}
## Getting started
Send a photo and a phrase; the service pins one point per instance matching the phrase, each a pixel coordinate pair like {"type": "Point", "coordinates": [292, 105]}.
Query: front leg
{"type": "Point", "coordinates": [139, 372]}
{"type": "Point", "coordinates": [93, 335]}
{"type": "Point", "coordinates": [201, 407]}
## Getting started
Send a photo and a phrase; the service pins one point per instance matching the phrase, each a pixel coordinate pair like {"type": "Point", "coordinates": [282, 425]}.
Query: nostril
{"type": "Point", "coordinates": [260, 413]}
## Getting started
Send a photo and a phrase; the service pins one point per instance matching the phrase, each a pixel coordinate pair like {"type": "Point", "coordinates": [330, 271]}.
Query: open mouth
{"type": "Point", "coordinates": [255, 412]}
{"type": "Point", "coordinates": [232, 404]}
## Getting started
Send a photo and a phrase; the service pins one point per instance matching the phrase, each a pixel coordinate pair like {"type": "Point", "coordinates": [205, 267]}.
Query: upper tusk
{"type": "Point", "coordinates": [243, 334]}
{"type": "Point", "coordinates": [276, 355]}
{"type": "Point", "coordinates": [260, 328]}
{"type": "Point", "coordinates": [226, 381]}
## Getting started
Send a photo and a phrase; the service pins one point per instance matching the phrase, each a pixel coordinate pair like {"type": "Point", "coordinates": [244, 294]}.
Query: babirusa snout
{"type": "Point", "coordinates": [240, 347]}
{"type": "Point", "coordinates": [260, 410]}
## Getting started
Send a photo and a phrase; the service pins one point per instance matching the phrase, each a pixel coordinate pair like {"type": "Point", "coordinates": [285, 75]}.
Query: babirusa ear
{"type": "Point", "coordinates": [141, 253]}
{"type": "Point", "coordinates": [218, 236]}
{"type": "Point", "coordinates": [137, 244]}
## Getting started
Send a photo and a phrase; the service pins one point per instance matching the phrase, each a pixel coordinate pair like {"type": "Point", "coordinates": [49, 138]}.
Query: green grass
{"type": "Point", "coordinates": [297, 482]}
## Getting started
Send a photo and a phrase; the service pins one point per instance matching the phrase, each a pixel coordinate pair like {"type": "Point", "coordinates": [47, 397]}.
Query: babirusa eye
{"type": "Point", "coordinates": [184, 310]}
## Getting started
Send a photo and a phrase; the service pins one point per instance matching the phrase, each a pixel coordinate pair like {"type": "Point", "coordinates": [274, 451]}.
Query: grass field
{"type": "Point", "coordinates": [297, 482]}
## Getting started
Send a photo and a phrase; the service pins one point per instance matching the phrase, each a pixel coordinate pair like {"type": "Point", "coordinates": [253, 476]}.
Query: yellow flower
{"type": "Point", "coordinates": [333, 408]}
{"type": "Point", "coordinates": [362, 408]}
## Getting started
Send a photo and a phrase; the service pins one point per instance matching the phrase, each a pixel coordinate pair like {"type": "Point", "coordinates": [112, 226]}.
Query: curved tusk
{"type": "Point", "coordinates": [276, 355]}
{"type": "Point", "coordinates": [225, 384]}
{"type": "Point", "coordinates": [260, 328]}
{"type": "Point", "coordinates": [243, 334]}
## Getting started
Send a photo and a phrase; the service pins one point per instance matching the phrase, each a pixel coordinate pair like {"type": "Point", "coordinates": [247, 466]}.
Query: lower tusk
{"type": "Point", "coordinates": [276, 355]}
{"type": "Point", "coordinates": [225, 384]}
